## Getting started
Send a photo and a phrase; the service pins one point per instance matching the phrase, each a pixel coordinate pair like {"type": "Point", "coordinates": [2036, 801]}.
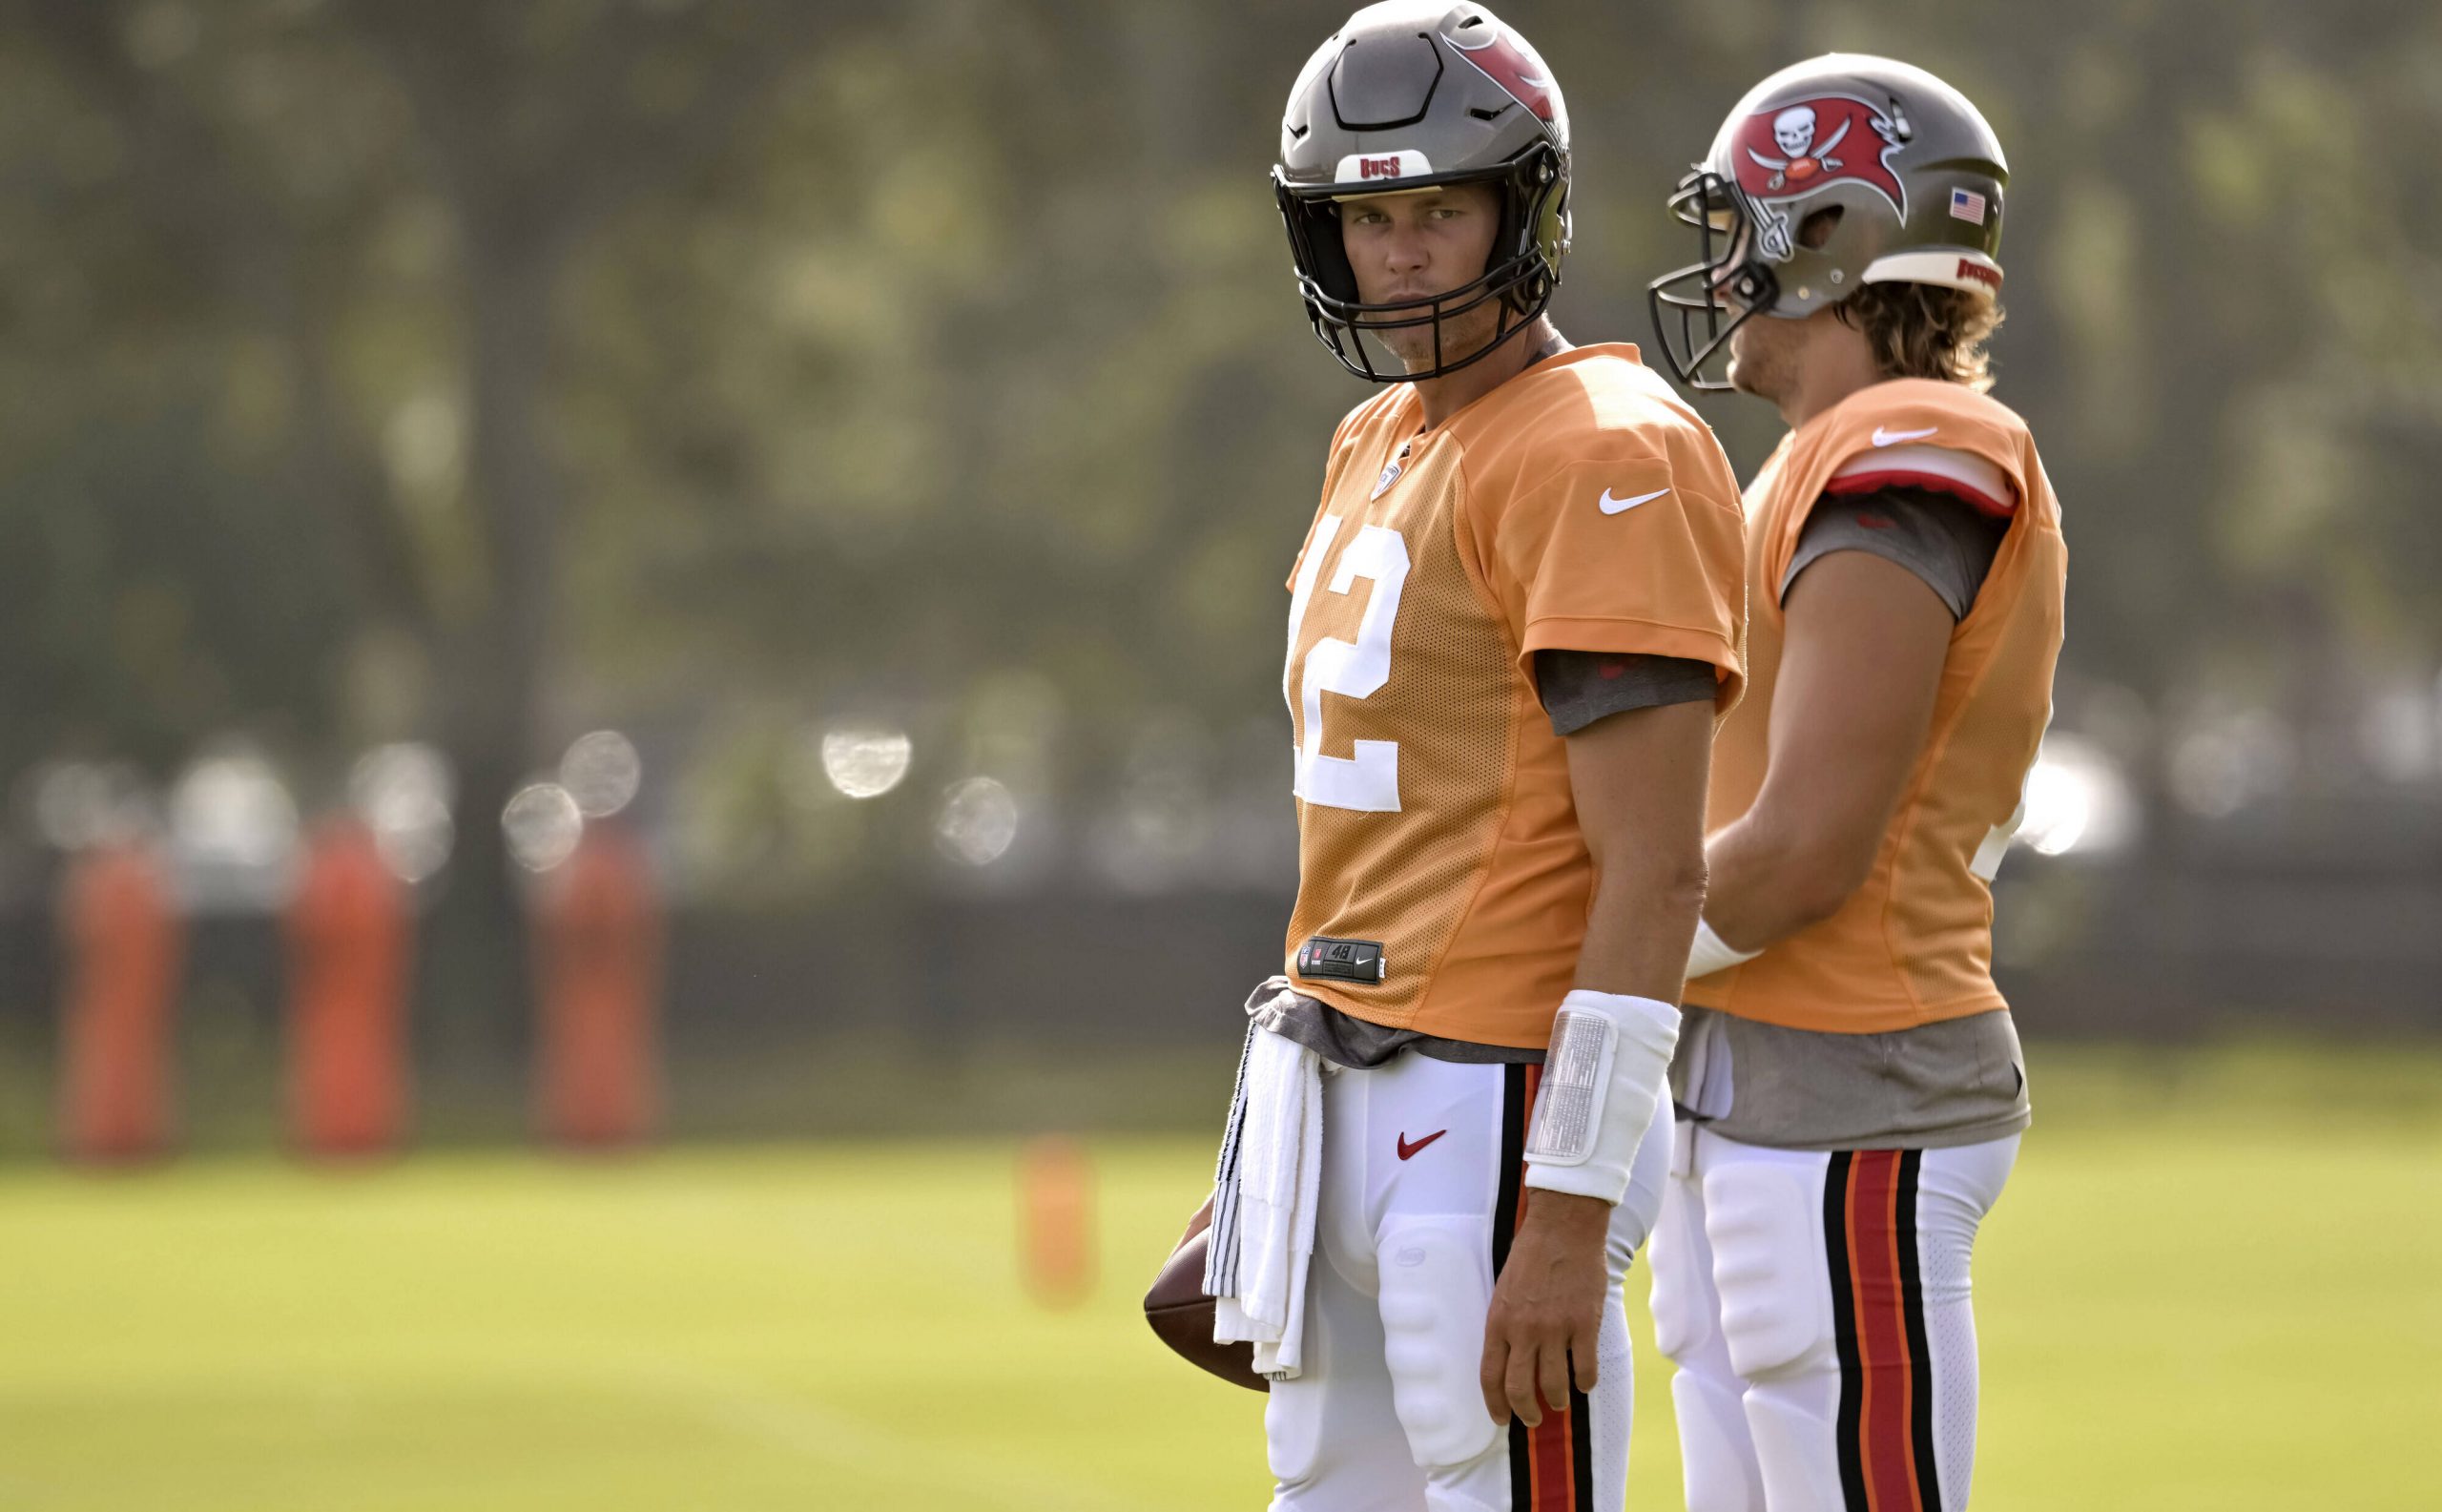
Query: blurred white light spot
{"type": "Point", "coordinates": [2058, 811]}
{"type": "Point", "coordinates": [2222, 765]}
{"type": "Point", "coordinates": [543, 824]}
{"type": "Point", "coordinates": [78, 804]}
{"type": "Point", "coordinates": [2076, 800]}
{"type": "Point", "coordinates": [866, 761]}
{"type": "Point", "coordinates": [389, 773]}
{"type": "Point", "coordinates": [977, 822]}
{"type": "Point", "coordinates": [2401, 732]}
{"type": "Point", "coordinates": [404, 792]}
{"type": "Point", "coordinates": [602, 772]}
{"type": "Point", "coordinates": [69, 797]}
{"type": "Point", "coordinates": [419, 840]}
{"type": "Point", "coordinates": [234, 833]}
{"type": "Point", "coordinates": [233, 810]}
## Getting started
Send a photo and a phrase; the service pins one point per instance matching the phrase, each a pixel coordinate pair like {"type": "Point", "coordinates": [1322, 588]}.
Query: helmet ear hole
{"type": "Point", "coordinates": [1815, 230]}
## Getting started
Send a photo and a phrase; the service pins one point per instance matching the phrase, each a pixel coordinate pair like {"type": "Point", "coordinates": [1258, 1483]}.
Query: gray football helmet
{"type": "Point", "coordinates": [1408, 95]}
{"type": "Point", "coordinates": [1915, 174]}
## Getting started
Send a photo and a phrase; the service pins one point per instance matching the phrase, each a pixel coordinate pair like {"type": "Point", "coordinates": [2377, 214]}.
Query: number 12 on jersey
{"type": "Point", "coordinates": [1368, 780]}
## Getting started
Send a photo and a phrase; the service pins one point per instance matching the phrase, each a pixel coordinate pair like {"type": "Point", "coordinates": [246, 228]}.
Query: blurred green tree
{"type": "Point", "coordinates": [472, 369]}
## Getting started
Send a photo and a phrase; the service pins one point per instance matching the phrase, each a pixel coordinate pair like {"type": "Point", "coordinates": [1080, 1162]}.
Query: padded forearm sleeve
{"type": "Point", "coordinates": [1602, 1075]}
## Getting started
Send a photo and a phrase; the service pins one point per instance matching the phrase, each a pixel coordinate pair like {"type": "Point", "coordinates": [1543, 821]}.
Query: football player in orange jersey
{"type": "Point", "coordinates": [1847, 1076]}
{"type": "Point", "coordinates": [1515, 615]}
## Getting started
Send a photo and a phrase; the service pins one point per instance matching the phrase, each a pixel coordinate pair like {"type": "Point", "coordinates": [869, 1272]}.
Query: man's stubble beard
{"type": "Point", "coordinates": [1462, 335]}
{"type": "Point", "coordinates": [1761, 359]}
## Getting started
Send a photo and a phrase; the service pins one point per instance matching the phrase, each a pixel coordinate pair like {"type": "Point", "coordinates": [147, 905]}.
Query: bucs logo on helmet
{"type": "Point", "coordinates": [1511, 62]}
{"type": "Point", "coordinates": [1798, 149]}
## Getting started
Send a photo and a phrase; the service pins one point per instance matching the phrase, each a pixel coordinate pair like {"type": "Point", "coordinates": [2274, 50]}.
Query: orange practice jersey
{"type": "Point", "coordinates": [1580, 506]}
{"type": "Point", "coordinates": [1915, 944]}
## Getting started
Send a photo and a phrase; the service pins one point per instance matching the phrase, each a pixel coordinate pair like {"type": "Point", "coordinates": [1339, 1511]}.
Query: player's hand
{"type": "Point", "coordinates": [1546, 1313]}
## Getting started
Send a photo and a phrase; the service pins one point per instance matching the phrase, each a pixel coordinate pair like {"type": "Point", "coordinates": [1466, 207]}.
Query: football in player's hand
{"type": "Point", "coordinates": [1182, 1314]}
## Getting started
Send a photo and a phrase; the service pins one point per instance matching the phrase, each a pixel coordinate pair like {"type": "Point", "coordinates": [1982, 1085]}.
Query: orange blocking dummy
{"type": "Point", "coordinates": [599, 950]}
{"type": "Point", "coordinates": [348, 933]}
{"type": "Point", "coordinates": [124, 947]}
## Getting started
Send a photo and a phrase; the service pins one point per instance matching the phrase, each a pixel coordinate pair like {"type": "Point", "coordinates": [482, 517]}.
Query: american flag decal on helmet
{"type": "Point", "coordinates": [1966, 204]}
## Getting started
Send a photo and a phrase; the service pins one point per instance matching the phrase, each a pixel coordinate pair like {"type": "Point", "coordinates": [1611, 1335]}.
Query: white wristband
{"type": "Point", "coordinates": [1603, 1077]}
{"type": "Point", "coordinates": [1712, 953]}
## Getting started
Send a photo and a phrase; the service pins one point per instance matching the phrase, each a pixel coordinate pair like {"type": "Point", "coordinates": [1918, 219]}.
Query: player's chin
{"type": "Point", "coordinates": [1412, 352]}
{"type": "Point", "coordinates": [1460, 340]}
{"type": "Point", "coordinates": [1416, 349]}
{"type": "Point", "coordinates": [1750, 368]}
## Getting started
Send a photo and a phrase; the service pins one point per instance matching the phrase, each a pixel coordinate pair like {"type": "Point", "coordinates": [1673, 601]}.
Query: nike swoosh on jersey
{"type": "Point", "coordinates": [1892, 438]}
{"type": "Point", "coordinates": [1610, 505]}
{"type": "Point", "coordinates": [1408, 1150]}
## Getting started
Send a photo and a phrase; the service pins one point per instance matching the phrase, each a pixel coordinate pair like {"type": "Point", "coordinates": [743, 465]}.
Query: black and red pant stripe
{"type": "Point", "coordinates": [1885, 1422]}
{"type": "Point", "coordinates": [1551, 1465]}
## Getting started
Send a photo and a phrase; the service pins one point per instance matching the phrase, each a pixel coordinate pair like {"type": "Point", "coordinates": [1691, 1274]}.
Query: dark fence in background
{"type": "Point", "coordinates": [917, 1012]}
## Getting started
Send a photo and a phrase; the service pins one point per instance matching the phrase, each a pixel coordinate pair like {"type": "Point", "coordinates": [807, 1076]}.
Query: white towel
{"type": "Point", "coordinates": [1267, 1184]}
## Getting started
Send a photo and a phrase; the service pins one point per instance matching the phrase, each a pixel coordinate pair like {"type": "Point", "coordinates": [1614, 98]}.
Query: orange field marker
{"type": "Point", "coordinates": [1056, 1230]}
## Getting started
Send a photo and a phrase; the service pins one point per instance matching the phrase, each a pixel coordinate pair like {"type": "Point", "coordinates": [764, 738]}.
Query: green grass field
{"type": "Point", "coordinates": [2215, 1282]}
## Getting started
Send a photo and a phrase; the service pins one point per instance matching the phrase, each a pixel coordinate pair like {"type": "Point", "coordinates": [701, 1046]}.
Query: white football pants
{"type": "Point", "coordinates": [1816, 1305]}
{"type": "Point", "coordinates": [1421, 1189]}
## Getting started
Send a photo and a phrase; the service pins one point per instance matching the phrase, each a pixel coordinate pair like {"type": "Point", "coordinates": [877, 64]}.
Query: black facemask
{"type": "Point", "coordinates": [1521, 277]}
{"type": "Point", "coordinates": [1697, 308]}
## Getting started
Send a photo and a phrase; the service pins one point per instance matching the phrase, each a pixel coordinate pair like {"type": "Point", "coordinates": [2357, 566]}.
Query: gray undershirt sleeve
{"type": "Point", "coordinates": [1578, 687]}
{"type": "Point", "coordinates": [1941, 539]}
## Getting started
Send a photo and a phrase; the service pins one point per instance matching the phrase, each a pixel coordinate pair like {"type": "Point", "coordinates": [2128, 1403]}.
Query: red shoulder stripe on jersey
{"type": "Point", "coordinates": [1904, 477]}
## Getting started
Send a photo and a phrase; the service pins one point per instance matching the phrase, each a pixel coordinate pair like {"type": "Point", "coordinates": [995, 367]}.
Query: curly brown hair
{"type": "Point", "coordinates": [1924, 330]}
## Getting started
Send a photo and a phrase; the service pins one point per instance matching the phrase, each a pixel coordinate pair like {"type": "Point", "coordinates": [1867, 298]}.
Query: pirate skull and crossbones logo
{"type": "Point", "coordinates": [1801, 157]}
{"type": "Point", "coordinates": [1788, 151]}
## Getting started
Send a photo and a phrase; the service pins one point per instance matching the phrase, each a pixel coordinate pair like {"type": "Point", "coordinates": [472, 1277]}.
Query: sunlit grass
{"type": "Point", "coordinates": [2213, 1289]}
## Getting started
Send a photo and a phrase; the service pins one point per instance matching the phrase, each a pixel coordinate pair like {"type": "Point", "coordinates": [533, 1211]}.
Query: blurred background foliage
{"type": "Point", "coordinates": [794, 384]}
